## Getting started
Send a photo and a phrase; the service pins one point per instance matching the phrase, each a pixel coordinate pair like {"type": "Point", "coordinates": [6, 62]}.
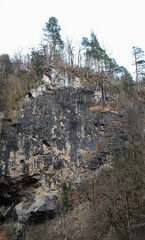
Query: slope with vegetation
{"type": "Point", "coordinates": [73, 147]}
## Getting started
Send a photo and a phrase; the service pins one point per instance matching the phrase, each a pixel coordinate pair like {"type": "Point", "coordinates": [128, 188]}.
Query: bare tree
{"type": "Point", "coordinates": [5, 66]}
{"type": "Point", "coordinates": [70, 51]}
{"type": "Point", "coordinates": [79, 57]}
{"type": "Point", "coordinates": [139, 63]}
{"type": "Point", "coordinates": [18, 61]}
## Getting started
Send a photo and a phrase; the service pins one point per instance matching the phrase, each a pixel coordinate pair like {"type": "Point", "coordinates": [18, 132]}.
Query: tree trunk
{"type": "Point", "coordinates": [103, 88]}
{"type": "Point", "coordinates": [98, 63]}
{"type": "Point", "coordinates": [79, 58]}
{"type": "Point", "coordinates": [87, 74]}
{"type": "Point", "coordinates": [137, 84]}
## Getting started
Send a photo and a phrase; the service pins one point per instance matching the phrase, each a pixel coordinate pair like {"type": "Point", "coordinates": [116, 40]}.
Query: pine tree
{"type": "Point", "coordinates": [53, 38]}
{"type": "Point", "coordinates": [38, 60]}
{"type": "Point", "coordinates": [103, 65]}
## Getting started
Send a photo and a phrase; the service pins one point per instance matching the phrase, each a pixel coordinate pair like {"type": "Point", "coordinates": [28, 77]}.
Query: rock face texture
{"type": "Point", "coordinates": [58, 133]}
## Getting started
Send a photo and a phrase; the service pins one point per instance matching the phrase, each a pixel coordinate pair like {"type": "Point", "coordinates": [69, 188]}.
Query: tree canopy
{"type": "Point", "coordinates": [53, 38]}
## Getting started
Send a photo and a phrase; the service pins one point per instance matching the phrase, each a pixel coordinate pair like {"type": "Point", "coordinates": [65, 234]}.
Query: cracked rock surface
{"type": "Point", "coordinates": [58, 133]}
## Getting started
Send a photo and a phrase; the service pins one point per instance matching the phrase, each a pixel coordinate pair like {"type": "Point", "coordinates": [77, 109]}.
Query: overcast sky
{"type": "Point", "coordinates": [118, 24]}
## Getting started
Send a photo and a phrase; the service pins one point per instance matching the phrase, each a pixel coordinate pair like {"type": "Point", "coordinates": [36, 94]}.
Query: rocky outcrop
{"type": "Point", "coordinates": [58, 133]}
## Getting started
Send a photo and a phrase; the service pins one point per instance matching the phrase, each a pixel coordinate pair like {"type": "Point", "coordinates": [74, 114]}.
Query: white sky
{"type": "Point", "coordinates": [118, 24]}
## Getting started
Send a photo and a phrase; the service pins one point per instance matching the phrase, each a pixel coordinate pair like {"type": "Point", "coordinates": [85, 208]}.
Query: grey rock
{"type": "Point", "coordinates": [57, 135]}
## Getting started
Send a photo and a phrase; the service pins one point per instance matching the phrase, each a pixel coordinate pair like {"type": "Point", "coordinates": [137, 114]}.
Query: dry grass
{"type": "Point", "coordinates": [104, 109]}
{"type": "Point", "coordinates": [16, 87]}
{"type": "Point", "coordinates": [6, 232]}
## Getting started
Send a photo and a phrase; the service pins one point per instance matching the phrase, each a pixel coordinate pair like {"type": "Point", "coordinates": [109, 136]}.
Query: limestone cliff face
{"type": "Point", "coordinates": [58, 133]}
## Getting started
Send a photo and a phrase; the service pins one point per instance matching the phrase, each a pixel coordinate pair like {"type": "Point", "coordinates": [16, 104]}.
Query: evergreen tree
{"type": "Point", "coordinates": [86, 47]}
{"type": "Point", "coordinates": [126, 79]}
{"type": "Point", "coordinates": [125, 74]}
{"type": "Point", "coordinates": [103, 65]}
{"type": "Point", "coordinates": [38, 60]}
{"type": "Point", "coordinates": [53, 38]}
{"type": "Point", "coordinates": [93, 51]}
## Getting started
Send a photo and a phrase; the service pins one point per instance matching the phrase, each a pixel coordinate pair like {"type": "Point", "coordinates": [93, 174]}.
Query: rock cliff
{"type": "Point", "coordinates": [59, 133]}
